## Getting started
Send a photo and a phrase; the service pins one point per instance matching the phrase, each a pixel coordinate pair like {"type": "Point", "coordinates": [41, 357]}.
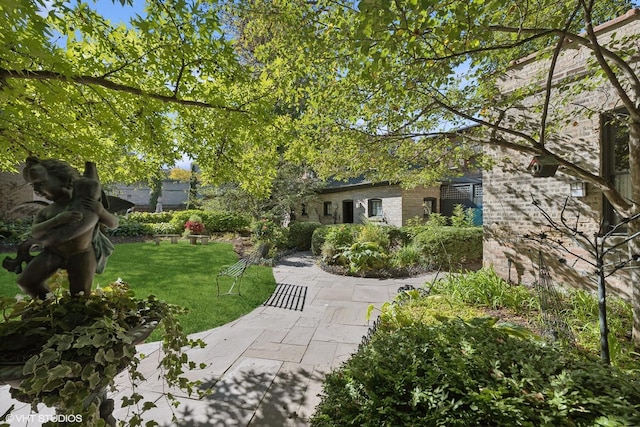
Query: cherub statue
{"type": "Point", "coordinates": [68, 229]}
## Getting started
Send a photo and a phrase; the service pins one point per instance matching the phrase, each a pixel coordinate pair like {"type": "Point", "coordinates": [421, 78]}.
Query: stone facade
{"type": "Point", "coordinates": [510, 217]}
{"type": "Point", "coordinates": [15, 191]}
{"type": "Point", "coordinates": [398, 204]}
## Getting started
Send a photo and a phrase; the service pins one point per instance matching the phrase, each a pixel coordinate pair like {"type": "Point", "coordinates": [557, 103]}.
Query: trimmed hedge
{"type": "Point", "coordinates": [150, 217]}
{"type": "Point", "coordinates": [129, 228]}
{"type": "Point", "coordinates": [317, 239]}
{"type": "Point", "coordinates": [300, 235]}
{"type": "Point", "coordinates": [456, 373]}
{"type": "Point", "coordinates": [213, 221]}
{"type": "Point", "coordinates": [444, 246]}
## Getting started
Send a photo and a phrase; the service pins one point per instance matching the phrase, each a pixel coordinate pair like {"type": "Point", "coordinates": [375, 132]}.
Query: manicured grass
{"type": "Point", "coordinates": [181, 274]}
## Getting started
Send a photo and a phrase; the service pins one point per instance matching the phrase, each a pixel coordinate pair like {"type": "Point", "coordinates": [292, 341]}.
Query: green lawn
{"type": "Point", "coordinates": [181, 274]}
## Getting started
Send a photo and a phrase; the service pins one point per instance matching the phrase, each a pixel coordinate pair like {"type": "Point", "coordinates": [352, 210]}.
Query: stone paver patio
{"type": "Point", "coordinates": [266, 368]}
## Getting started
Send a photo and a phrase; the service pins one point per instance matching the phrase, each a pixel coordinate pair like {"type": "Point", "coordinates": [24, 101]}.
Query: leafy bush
{"type": "Point", "coordinates": [129, 228]}
{"type": "Point", "coordinates": [473, 373]}
{"type": "Point", "coordinates": [581, 311]}
{"type": "Point", "coordinates": [338, 237]}
{"type": "Point", "coordinates": [225, 222]}
{"type": "Point", "coordinates": [300, 235]}
{"type": "Point", "coordinates": [318, 238]}
{"type": "Point", "coordinates": [363, 257]}
{"type": "Point", "coordinates": [446, 246]}
{"type": "Point", "coordinates": [462, 217]}
{"type": "Point", "coordinates": [71, 348]}
{"type": "Point", "coordinates": [15, 231]}
{"type": "Point", "coordinates": [264, 230]}
{"type": "Point", "coordinates": [398, 237]}
{"type": "Point", "coordinates": [213, 221]}
{"type": "Point", "coordinates": [411, 307]}
{"type": "Point", "coordinates": [437, 220]}
{"type": "Point", "coordinates": [486, 289]}
{"type": "Point", "coordinates": [165, 228]}
{"type": "Point", "coordinates": [406, 256]}
{"type": "Point", "coordinates": [150, 217]}
{"type": "Point", "coordinates": [269, 232]}
{"type": "Point", "coordinates": [378, 234]}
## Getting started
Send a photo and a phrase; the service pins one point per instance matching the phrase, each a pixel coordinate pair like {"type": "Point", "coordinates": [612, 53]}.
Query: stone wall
{"type": "Point", "coordinates": [174, 194]}
{"type": "Point", "coordinates": [510, 217]}
{"type": "Point", "coordinates": [398, 205]}
{"type": "Point", "coordinates": [15, 191]}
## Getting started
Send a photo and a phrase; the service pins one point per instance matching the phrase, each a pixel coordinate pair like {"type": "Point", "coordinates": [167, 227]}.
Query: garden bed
{"type": "Point", "coordinates": [391, 273]}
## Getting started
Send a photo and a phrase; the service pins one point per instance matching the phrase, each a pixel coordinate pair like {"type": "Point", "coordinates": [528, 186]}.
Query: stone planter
{"type": "Point", "coordinates": [11, 373]}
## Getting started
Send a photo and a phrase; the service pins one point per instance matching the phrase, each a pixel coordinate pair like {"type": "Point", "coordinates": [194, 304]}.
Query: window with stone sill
{"type": "Point", "coordinates": [327, 211]}
{"type": "Point", "coordinates": [615, 161]}
{"type": "Point", "coordinates": [374, 207]}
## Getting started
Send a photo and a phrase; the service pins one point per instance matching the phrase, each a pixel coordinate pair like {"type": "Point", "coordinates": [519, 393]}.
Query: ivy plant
{"type": "Point", "coordinates": [68, 350]}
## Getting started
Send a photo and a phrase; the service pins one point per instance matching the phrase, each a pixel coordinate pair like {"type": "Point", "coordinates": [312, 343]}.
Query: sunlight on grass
{"type": "Point", "coordinates": [181, 274]}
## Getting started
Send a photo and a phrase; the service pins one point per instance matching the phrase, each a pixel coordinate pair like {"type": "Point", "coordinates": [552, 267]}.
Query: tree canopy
{"type": "Point", "coordinates": [371, 87]}
{"type": "Point", "coordinates": [132, 96]}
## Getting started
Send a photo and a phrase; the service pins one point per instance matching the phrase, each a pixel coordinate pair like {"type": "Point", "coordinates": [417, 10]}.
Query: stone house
{"type": "Point", "coordinates": [594, 142]}
{"type": "Point", "coordinates": [357, 200]}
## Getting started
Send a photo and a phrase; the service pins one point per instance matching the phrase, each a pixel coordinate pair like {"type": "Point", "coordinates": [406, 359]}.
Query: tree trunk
{"type": "Point", "coordinates": [634, 226]}
{"type": "Point", "coordinates": [634, 251]}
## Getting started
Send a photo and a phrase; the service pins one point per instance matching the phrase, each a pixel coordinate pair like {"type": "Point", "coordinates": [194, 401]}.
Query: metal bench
{"type": "Point", "coordinates": [174, 238]}
{"type": "Point", "coordinates": [237, 270]}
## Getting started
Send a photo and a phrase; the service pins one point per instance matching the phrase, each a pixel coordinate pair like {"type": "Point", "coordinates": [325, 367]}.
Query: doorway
{"type": "Point", "coordinates": [347, 211]}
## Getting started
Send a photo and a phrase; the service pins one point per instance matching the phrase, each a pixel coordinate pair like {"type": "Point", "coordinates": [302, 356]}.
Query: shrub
{"type": "Point", "coordinates": [128, 228]}
{"type": "Point", "coordinates": [462, 217]}
{"type": "Point", "coordinates": [318, 239]}
{"type": "Point", "coordinates": [150, 217]}
{"type": "Point", "coordinates": [446, 246]}
{"type": "Point", "coordinates": [226, 222]}
{"type": "Point", "coordinates": [338, 237]}
{"type": "Point", "coordinates": [363, 257]}
{"type": "Point", "coordinates": [406, 256]}
{"type": "Point", "coordinates": [412, 307]}
{"type": "Point", "coordinates": [164, 228]}
{"type": "Point", "coordinates": [437, 220]}
{"type": "Point", "coordinates": [473, 373]}
{"type": "Point", "coordinates": [264, 230]}
{"type": "Point", "coordinates": [213, 221]}
{"type": "Point", "coordinates": [485, 288]}
{"type": "Point", "coordinates": [378, 234]}
{"type": "Point", "coordinates": [194, 225]}
{"type": "Point", "coordinates": [15, 231]}
{"type": "Point", "coordinates": [300, 235]}
{"type": "Point", "coordinates": [398, 236]}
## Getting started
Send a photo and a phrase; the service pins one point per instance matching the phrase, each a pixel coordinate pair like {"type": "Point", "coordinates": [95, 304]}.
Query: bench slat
{"type": "Point", "coordinates": [237, 270]}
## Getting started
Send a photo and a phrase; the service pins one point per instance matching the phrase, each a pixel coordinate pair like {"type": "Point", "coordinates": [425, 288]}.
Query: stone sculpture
{"type": "Point", "coordinates": [67, 230]}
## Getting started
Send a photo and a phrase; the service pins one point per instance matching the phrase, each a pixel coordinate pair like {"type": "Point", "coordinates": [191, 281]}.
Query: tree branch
{"type": "Point", "coordinates": [107, 84]}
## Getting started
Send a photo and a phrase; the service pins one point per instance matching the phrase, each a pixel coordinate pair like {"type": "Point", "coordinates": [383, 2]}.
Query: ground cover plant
{"type": "Point", "coordinates": [467, 351]}
{"type": "Point", "coordinates": [66, 351]}
{"type": "Point", "coordinates": [471, 373]}
{"type": "Point", "coordinates": [181, 274]}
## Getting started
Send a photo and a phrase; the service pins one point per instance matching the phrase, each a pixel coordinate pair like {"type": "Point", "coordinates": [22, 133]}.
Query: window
{"type": "Point", "coordinates": [428, 206]}
{"type": "Point", "coordinates": [375, 207]}
{"type": "Point", "coordinates": [327, 209]}
{"type": "Point", "coordinates": [615, 160]}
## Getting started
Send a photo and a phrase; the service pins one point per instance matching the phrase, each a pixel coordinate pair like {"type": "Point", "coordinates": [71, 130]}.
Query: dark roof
{"type": "Point", "coordinates": [334, 186]}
